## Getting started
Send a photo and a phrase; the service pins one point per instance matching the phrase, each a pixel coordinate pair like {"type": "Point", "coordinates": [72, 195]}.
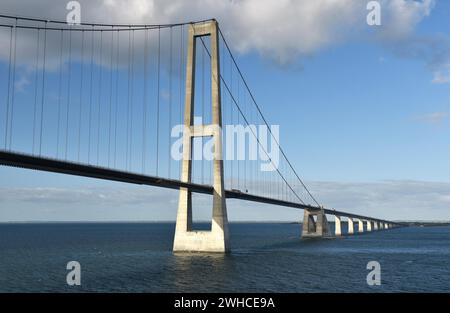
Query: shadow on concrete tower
{"type": "Point", "coordinates": [186, 239]}
{"type": "Point", "coordinates": [315, 224]}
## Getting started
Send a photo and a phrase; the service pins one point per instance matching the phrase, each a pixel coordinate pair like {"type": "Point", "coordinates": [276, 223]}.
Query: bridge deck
{"type": "Point", "coordinates": [21, 160]}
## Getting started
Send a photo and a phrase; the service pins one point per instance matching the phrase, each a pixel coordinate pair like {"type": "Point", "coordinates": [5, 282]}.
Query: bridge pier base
{"type": "Point", "coordinates": [315, 228]}
{"type": "Point", "coordinates": [187, 240]}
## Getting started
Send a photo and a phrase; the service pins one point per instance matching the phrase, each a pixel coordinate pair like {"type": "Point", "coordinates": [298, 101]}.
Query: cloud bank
{"type": "Point", "coordinates": [282, 30]}
{"type": "Point", "coordinates": [435, 118]}
{"type": "Point", "coordinates": [394, 199]}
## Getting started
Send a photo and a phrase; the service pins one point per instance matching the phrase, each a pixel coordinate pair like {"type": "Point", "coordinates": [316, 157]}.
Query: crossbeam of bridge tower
{"type": "Point", "coordinates": [315, 228]}
{"type": "Point", "coordinates": [216, 240]}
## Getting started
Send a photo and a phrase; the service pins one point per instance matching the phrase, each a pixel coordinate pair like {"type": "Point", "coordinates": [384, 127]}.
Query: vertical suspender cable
{"type": "Point", "coordinates": [144, 104]}
{"type": "Point", "coordinates": [90, 94]}
{"type": "Point", "coordinates": [43, 87]}
{"type": "Point", "coordinates": [9, 86]}
{"type": "Point", "coordinates": [36, 77]}
{"type": "Point", "coordinates": [238, 122]}
{"type": "Point", "coordinates": [170, 100]}
{"type": "Point", "coordinates": [203, 113]}
{"type": "Point", "coordinates": [157, 107]}
{"type": "Point", "coordinates": [181, 84]}
{"type": "Point", "coordinates": [246, 157]}
{"type": "Point", "coordinates": [13, 85]}
{"type": "Point", "coordinates": [110, 95]}
{"type": "Point", "coordinates": [128, 99]}
{"type": "Point", "coordinates": [81, 94]}
{"type": "Point", "coordinates": [69, 90]}
{"type": "Point", "coordinates": [59, 90]}
{"type": "Point", "coordinates": [232, 122]}
{"type": "Point", "coordinates": [131, 101]}
{"type": "Point", "coordinates": [116, 96]}
{"type": "Point", "coordinates": [100, 68]}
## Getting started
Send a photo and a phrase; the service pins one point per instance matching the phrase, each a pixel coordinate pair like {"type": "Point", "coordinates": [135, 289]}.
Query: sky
{"type": "Point", "coordinates": [363, 110]}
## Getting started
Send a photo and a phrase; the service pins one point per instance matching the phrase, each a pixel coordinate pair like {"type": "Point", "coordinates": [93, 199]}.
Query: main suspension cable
{"type": "Point", "coordinates": [262, 116]}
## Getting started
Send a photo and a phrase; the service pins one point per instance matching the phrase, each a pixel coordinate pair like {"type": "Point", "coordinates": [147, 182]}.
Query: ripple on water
{"type": "Point", "coordinates": [267, 257]}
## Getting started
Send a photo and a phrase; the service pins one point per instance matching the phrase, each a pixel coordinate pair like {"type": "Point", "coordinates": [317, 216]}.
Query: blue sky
{"type": "Point", "coordinates": [365, 119]}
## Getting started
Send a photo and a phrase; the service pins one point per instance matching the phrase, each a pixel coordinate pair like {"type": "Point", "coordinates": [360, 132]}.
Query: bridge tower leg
{"type": "Point", "coordinates": [315, 228]}
{"type": "Point", "coordinates": [186, 239]}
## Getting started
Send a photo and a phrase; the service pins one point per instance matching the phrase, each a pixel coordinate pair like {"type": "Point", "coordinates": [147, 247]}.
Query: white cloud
{"type": "Point", "coordinates": [22, 82]}
{"type": "Point", "coordinates": [396, 199]}
{"type": "Point", "coordinates": [432, 49]}
{"type": "Point", "coordinates": [282, 30]}
{"type": "Point", "coordinates": [402, 16]}
{"type": "Point", "coordinates": [89, 196]}
{"type": "Point", "coordinates": [434, 118]}
{"type": "Point", "coordinates": [442, 74]}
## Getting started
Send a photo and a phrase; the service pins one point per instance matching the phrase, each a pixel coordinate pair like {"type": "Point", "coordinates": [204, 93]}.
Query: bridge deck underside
{"type": "Point", "coordinates": [27, 161]}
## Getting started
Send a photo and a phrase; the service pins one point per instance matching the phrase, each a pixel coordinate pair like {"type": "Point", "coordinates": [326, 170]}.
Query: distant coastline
{"type": "Point", "coordinates": [428, 224]}
{"type": "Point", "coordinates": [409, 223]}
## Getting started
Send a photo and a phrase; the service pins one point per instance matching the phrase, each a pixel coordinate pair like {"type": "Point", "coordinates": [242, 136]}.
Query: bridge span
{"type": "Point", "coordinates": [105, 100]}
{"type": "Point", "coordinates": [20, 160]}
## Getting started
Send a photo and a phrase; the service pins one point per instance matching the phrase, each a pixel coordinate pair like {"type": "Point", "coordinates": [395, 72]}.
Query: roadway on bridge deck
{"type": "Point", "coordinates": [21, 160]}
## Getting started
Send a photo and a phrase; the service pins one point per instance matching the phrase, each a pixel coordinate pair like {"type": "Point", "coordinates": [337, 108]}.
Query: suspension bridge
{"type": "Point", "coordinates": [104, 101]}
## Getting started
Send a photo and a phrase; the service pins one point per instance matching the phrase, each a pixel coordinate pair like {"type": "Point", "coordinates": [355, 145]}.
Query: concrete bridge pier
{"type": "Point", "coordinates": [315, 224]}
{"type": "Point", "coordinates": [186, 239]}
{"type": "Point", "coordinates": [375, 225]}
{"type": "Point", "coordinates": [337, 226]}
{"type": "Point", "coordinates": [360, 226]}
{"type": "Point", "coordinates": [369, 225]}
{"type": "Point", "coordinates": [351, 229]}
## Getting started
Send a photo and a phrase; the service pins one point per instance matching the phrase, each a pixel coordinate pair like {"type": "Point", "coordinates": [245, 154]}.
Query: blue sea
{"type": "Point", "coordinates": [265, 257]}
